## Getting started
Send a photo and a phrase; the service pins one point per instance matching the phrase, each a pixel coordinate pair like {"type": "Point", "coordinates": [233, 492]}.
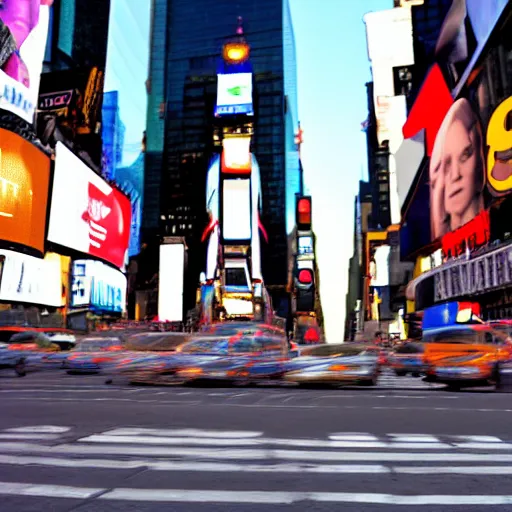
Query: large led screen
{"type": "Point", "coordinates": [234, 94]}
{"type": "Point", "coordinates": [86, 213]}
{"type": "Point", "coordinates": [24, 27]}
{"type": "Point", "coordinates": [170, 283]}
{"type": "Point", "coordinates": [30, 280]}
{"type": "Point", "coordinates": [236, 155]}
{"type": "Point", "coordinates": [125, 103]}
{"type": "Point", "coordinates": [24, 183]}
{"type": "Point", "coordinates": [236, 210]}
{"type": "Point", "coordinates": [99, 286]}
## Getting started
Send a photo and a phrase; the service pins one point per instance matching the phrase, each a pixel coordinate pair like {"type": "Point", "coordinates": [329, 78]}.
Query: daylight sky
{"type": "Point", "coordinates": [333, 68]}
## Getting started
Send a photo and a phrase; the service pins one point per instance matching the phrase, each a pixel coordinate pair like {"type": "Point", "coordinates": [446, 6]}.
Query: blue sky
{"type": "Point", "coordinates": [333, 67]}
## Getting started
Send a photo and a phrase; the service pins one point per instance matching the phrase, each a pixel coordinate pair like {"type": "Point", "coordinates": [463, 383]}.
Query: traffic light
{"type": "Point", "coordinates": [303, 213]}
{"type": "Point", "coordinates": [305, 290]}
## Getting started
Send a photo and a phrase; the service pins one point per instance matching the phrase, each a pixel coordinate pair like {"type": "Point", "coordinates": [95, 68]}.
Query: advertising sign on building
{"type": "Point", "coordinates": [24, 183]}
{"type": "Point", "coordinates": [24, 27]}
{"type": "Point", "coordinates": [99, 286]}
{"type": "Point", "coordinates": [475, 276]}
{"type": "Point", "coordinates": [30, 280]}
{"type": "Point", "coordinates": [234, 94]}
{"type": "Point", "coordinates": [86, 213]}
{"type": "Point", "coordinates": [236, 210]}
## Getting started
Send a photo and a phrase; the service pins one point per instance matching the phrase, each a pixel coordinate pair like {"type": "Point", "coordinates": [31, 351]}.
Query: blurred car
{"type": "Point", "coordinates": [91, 354]}
{"type": "Point", "coordinates": [466, 355]}
{"type": "Point", "coordinates": [407, 358]}
{"type": "Point", "coordinates": [238, 358]}
{"type": "Point", "coordinates": [335, 364]}
{"type": "Point", "coordinates": [12, 360]}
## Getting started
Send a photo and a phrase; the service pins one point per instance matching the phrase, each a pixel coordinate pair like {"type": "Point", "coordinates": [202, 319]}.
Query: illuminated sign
{"type": "Point", "coordinates": [472, 235]}
{"type": "Point", "coordinates": [99, 286]}
{"type": "Point", "coordinates": [475, 276]}
{"type": "Point", "coordinates": [499, 142]}
{"type": "Point", "coordinates": [23, 47]}
{"type": "Point", "coordinates": [305, 245]}
{"type": "Point", "coordinates": [31, 280]}
{"type": "Point", "coordinates": [86, 213]}
{"type": "Point", "coordinates": [235, 53]}
{"type": "Point", "coordinates": [236, 210]}
{"type": "Point", "coordinates": [236, 155]}
{"type": "Point", "coordinates": [170, 284]}
{"type": "Point", "coordinates": [234, 94]}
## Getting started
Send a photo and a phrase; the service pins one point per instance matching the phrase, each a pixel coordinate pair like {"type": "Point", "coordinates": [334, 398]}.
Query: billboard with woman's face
{"type": "Point", "coordinates": [457, 170]}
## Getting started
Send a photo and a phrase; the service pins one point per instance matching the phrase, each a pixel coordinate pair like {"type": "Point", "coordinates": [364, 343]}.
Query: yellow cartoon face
{"type": "Point", "coordinates": [499, 142]}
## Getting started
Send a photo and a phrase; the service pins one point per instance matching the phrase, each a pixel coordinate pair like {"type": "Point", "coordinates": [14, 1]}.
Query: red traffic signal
{"type": "Point", "coordinates": [303, 213]}
{"type": "Point", "coordinates": [305, 276]}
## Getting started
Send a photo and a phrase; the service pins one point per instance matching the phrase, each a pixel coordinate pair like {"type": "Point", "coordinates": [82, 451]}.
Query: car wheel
{"type": "Point", "coordinates": [20, 369]}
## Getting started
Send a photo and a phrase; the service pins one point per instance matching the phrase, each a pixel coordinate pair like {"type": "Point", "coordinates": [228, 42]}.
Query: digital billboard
{"type": "Point", "coordinates": [24, 29]}
{"type": "Point", "coordinates": [125, 99]}
{"type": "Point", "coordinates": [99, 286]}
{"type": "Point", "coordinates": [24, 183]}
{"type": "Point", "coordinates": [234, 94]}
{"type": "Point", "coordinates": [31, 280]}
{"type": "Point", "coordinates": [170, 283]}
{"type": "Point", "coordinates": [305, 245]}
{"type": "Point", "coordinates": [70, 101]}
{"type": "Point", "coordinates": [236, 210]}
{"type": "Point", "coordinates": [86, 213]}
{"type": "Point", "coordinates": [236, 155]}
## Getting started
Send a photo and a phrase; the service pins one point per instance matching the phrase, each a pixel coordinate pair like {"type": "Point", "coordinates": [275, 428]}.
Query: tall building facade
{"type": "Point", "coordinates": [181, 137]}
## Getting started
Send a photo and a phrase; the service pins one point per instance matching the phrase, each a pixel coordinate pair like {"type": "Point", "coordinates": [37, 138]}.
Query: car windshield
{"type": "Point", "coordinates": [334, 349]}
{"type": "Point", "coordinates": [156, 341]}
{"type": "Point", "coordinates": [205, 346]}
{"type": "Point", "coordinates": [97, 344]}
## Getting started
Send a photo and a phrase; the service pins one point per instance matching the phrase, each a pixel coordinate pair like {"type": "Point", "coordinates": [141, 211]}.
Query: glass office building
{"type": "Point", "coordinates": [187, 41]}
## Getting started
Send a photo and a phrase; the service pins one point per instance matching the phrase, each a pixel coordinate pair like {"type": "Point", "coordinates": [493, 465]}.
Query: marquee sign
{"type": "Point", "coordinates": [475, 276]}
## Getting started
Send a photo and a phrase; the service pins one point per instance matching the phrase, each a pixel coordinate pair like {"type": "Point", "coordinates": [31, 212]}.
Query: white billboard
{"type": "Point", "coordinates": [99, 286]}
{"type": "Point", "coordinates": [234, 94]}
{"type": "Point", "coordinates": [236, 155]}
{"type": "Point", "coordinates": [170, 285]}
{"type": "Point", "coordinates": [30, 280]}
{"type": "Point", "coordinates": [236, 210]}
{"type": "Point", "coordinates": [20, 75]}
{"type": "Point", "coordinates": [379, 267]}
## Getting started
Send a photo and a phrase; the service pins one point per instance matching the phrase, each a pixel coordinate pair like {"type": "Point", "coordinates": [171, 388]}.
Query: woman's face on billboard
{"type": "Point", "coordinates": [461, 162]}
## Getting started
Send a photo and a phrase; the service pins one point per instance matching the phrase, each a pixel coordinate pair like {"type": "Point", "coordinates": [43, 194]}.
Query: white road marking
{"type": "Point", "coordinates": [485, 446]}
{"type": "Point", "coordinates": [50, 491]}
{"type": "Point", "coordinates": [252, 454]}
{"type": "Point", "coordinates": [481, 439]}
{"type": "Point", "coordinates": [217, 467]}
{"type": "Point", "coordinates": [286, 498]}
{"type": "Point", "coordinates": [352, 437]}
{"type": "Point", "coordinates": [184, 432]}
{"type": "Point", "coordinates": [40, 429]}
{"type": "Point", "coordinates": [307, 443]}
{"type": "Point", "coordinates": [414, 438]}
{"type": "Point", "coordinates": [41, 437]}
{"type": "Point", "coordinates": [453, 470]}
{"type": "Point", "coordinates": [20, 460]}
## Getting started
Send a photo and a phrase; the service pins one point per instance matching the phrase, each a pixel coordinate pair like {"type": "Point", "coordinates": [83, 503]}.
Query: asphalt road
{"type": "Point", "coordinates": [74, 443]}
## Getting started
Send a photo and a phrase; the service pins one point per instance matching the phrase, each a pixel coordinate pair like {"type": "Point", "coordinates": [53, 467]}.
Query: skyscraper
{"type": "Point", "coordinates": [181, 141]}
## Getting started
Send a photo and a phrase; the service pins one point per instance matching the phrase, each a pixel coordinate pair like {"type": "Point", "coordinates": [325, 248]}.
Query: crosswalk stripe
{"type": "Point", "coordinates": [414, 438]}
{"type": "Point", "coordinates": [53, 491]}
{"type": "Point", "coordinates": [352, 437]}
{"type": "Point", "coordinates": [307, 443]}
{"type": "Point", "coordinates": [34, 437]}
{"type": "Point", "coordinates": [39, 429]}
{"type": "Point", "coordinates": [252, 454]}
{"type": "Point", "coordinates": [254, 497]}
{"type": "Point", "coordinates": [219, 467]}
{"type": "Point", "coordinates": [185, 432]}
